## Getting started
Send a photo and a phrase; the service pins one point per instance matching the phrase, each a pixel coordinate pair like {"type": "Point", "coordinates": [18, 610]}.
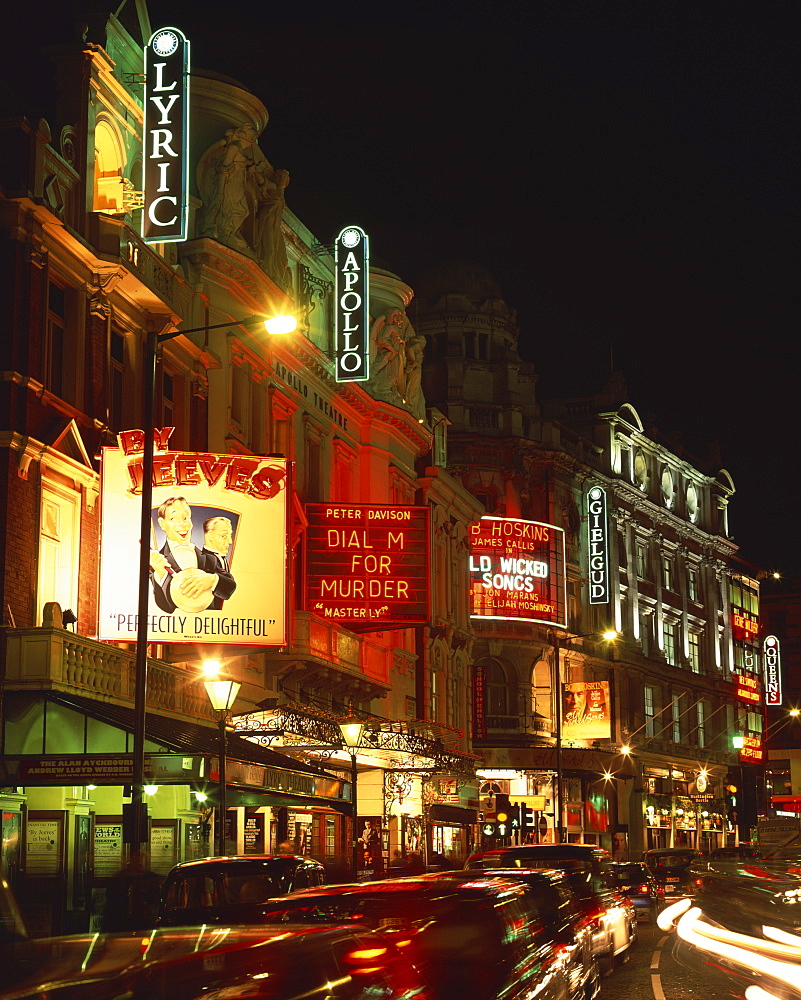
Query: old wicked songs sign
{"type": "Point", "coordinates": [218, 546]}
{"type": "Point", "coordinates": [367, 565]}
{"type": "Point", "coordinates": [517, 570]}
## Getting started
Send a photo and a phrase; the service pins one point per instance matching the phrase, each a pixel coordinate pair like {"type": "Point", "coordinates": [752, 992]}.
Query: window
{"type": "Point", "coordinates": [692, 583]}
{"type": "Point", "coordinates": [435, 683]}
{"type": "Point", "coordinates": [676, 718]}
{"type": "Point", "coordinates": [248, 400]}
{"type": "Point", "coordinates": [669, 643]}
{"type": "Point", "coordinates": [642, 561]}
{"type": "Point", "coordinates": [694, 651]}
{"type": "Point", "coordinates": [667, 572]}
{"type": "Point", "coordinates": [56, 339]}
{"type": "Point", "coordinates": [117, 381]}
{"type": "Point", "coordinates": [649, 702]}
{"type": "Point", "coordinates": [702, 714]}
{"type": "Point", "coordinates": [496, 691]}
{"type": "Point", "coordinates": [58, 549]}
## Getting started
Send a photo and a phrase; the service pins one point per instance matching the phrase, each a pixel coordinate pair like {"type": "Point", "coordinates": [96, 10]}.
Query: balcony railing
{"type": "Point", "coordinates": [54, 659]}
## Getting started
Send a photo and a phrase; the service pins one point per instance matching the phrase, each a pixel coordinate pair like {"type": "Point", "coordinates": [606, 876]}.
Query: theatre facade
{"type": "Point", "coordinates": [304, 533]}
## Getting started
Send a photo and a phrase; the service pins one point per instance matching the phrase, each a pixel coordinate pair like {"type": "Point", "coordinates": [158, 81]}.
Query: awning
{"type": "Point", "coordinates": [178, 736]}
{"type": "Point", "coordinates": [452, 815]}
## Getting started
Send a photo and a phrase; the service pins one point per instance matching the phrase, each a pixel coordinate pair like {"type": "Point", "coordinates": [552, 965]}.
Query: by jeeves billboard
{"type": "Point", "coordinates": [367, 565]}
{"type": "Point", "coordinates": [517, 570]}
{"type": "Point", "coordinates": [165, 137]}
{"type": "Point", "coordinates": [218, 546]}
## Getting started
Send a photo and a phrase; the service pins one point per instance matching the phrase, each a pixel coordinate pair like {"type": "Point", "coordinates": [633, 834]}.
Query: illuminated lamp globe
{"type": "Point", "coordinates": [277, 325]}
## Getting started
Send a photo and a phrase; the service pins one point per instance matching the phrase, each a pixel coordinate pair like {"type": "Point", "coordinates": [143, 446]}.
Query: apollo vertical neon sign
{"type": "Point", "coordinates": [598, 542]}
{"type": "Point", "coordinates": [352, 339]}
{"type": "Point", "coordinates": [771, 653]}
{"type": "Point", "coordinates": [166, 137]}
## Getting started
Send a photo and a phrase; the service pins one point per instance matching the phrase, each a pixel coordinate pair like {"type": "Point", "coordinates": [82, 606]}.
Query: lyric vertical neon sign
{"type": "Point", "coordinates": [771, 651]}
{"type": "Point", "coordinates": [352, 313]}
{"type": "Point", "coordinates": [598, 542]}
{"type": "Point", "coordinates": [166, 137]}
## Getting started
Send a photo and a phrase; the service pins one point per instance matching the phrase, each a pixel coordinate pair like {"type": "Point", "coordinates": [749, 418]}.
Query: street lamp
{"type": "Point", "coordinates": [352, 729]}
{"type": "Point", "coordinates": [553, 639]}
{"type": "Point", "coordinates": [222, 694]}
{"type": "Point", "coordinates": [273, 325]}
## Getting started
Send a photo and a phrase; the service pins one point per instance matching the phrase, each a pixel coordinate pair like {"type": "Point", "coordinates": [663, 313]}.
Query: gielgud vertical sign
{"type": "Point", "coordinates": [165, 137]}
{"type": "Point", "coordinates": [218, 546]}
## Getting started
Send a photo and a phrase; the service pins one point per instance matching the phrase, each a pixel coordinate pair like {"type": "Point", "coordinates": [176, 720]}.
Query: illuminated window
{"type": "Point", "coordinates": [702, 714]}
{"type": "Point", "coordinates": [676, 717]}
{"type": "Point", "coordinates": [108, 181]}
{"type": "Point", "coordinates": [669, 643]}
{"type": "Point", "coordinates": [692, 583]}
{"type": "Point", "coordinates": [642, 561]}
{"type": "Point", "coordinates": [435, 682]}
{"type": "Point", "coordinates": [59, 538]}
{"type": "Point", "coordinates": [694, 651]}
{"type": "Point", "coordinates": [649, 704]}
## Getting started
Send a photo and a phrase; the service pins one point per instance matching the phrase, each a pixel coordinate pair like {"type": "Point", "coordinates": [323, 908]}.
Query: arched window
{"type": "Point", "coordinates": [108, 193]}
{"type": "Point", "coordinates": [496, 691]}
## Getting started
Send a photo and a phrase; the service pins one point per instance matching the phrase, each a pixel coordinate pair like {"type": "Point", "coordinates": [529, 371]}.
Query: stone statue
{"type": "Point", "coordinates": [270, 247]}
{"type": "Point", "coordinates": [396, 358]}
{"type": "Point", "coordinates": [243, 199]}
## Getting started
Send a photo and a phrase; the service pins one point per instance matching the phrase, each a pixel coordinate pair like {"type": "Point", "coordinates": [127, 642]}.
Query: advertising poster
{"type": "Point", "coordinates": [585, 711]}
{"type": "Point", "coordinates": [367, 565]}
{"type": "Point", "coordinates": [517, 570]}
{"type": "Point", "coordinates": [370, 844]}
{"type": "Point", "coordinates": [218, 547]}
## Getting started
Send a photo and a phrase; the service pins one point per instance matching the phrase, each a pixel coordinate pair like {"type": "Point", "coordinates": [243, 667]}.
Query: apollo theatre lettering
{"type": "Point", "coordinates": [165, 137]}
{"type": "Point", "coordinates": [598, 545]}
{"type": "Point", "coordinates": [352, 344]}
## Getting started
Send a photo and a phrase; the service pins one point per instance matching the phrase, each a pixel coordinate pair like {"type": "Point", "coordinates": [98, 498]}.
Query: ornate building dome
{"type": "Point", "coordinates": [456, 277]}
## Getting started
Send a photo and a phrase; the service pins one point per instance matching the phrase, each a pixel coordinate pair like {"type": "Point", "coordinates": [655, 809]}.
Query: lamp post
{"type": "Point", "coordinates": [553, 639]}
{"type": "Point", "coordinates": [352, 729]}
{"type": "Point", "coordinates": [273, 325]}
{"type": "Point", "coordinates": [222, 694]}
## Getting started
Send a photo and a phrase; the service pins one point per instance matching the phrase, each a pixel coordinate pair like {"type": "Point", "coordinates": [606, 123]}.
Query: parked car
{"type": "Point", "coordinates": [672, 868]}
{"type": "Point", "coordinates": [613, 917]}
{"type": "Point", "coordinates": [634, 880]}
{"type": "Point", "coordinates": [474, 939]}
{"type": "Point", "coordinates": [213, 963]}
{"type": "Point", "coordinates": [742, 928]}
{"type": "Point", "coordinates": [231, 890]}
{"type": "Point", "coordinates": [554, 904]}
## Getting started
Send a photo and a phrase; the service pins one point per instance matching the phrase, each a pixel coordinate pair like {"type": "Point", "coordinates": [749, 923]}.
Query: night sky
{"type": "Point", "coordinates": [628, 171]}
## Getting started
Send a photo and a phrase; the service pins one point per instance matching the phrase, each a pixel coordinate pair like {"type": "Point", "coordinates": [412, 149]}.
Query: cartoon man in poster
{"type": "Point", "coordinates": [182, 575]}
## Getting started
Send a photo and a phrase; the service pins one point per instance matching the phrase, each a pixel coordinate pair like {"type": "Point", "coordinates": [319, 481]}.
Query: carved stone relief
{"type": "Point", "coordinates": [243, 201]}
{"type": "Point", "coordinates": [396, 362]}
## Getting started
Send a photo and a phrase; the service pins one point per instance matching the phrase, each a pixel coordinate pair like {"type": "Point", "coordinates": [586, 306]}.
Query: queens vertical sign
{"type": "Point", "coordinates": [352, 345]}
{"type": "Point", "coordinates": [598, 542]}
{"type": "Point", "coordinates": [771, 654]}
{"type": "Point", "coordinates": [166, 137]}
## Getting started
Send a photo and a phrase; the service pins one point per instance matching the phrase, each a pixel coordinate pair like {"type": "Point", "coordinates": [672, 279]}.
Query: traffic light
{"type": "Point", "coordinates": [731, 788]}
{"type": "Point", "coordinates": [526, 819]}
{"type": "Point", "coordinates": [505, 812]}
